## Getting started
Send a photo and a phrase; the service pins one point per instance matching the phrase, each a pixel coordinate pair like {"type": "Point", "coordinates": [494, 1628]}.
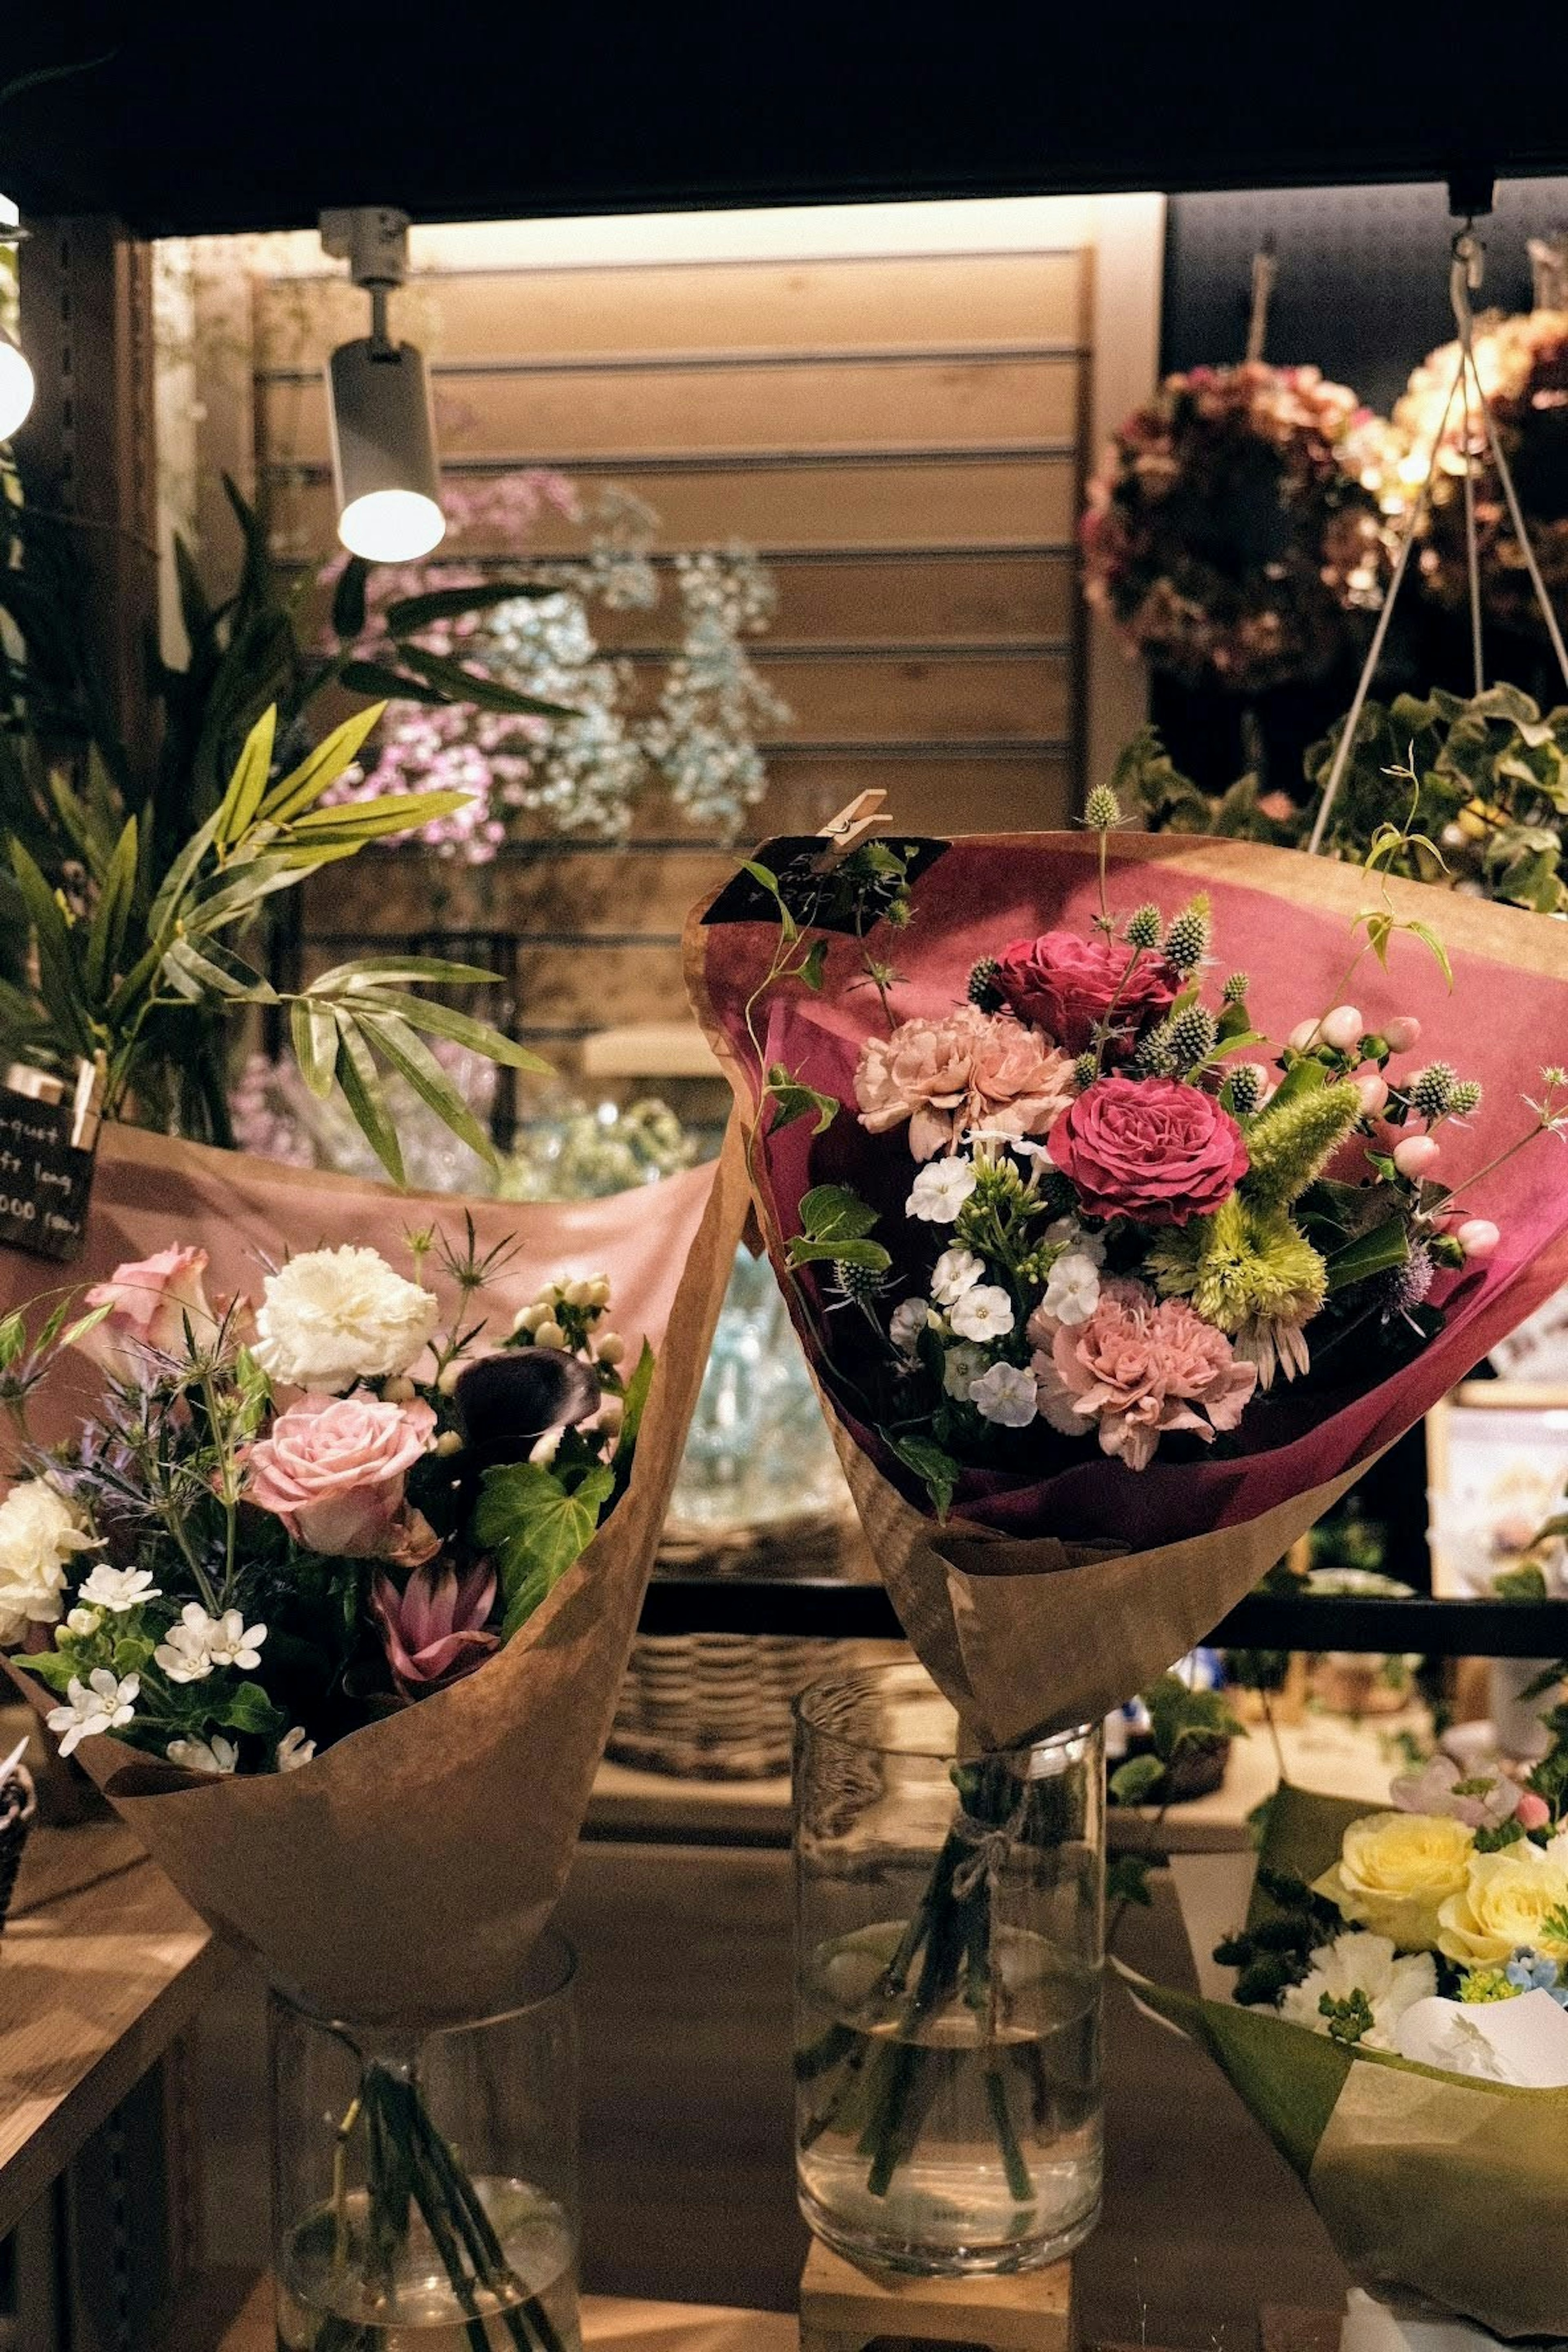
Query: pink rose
{"type": "Point", "coordinates": [1138, 1367]}
{"type": "Point", "coordinates": [969, 1073]}
{"type": "Point", "coordinates": [333, 1471]}
{"type": "Point", "coordinates": [1066, 985]}
{"type": "Point", "coordinates": [1149, 1148]}
{"type": "Point", "coordinates": [434, 1628]}
{"type": "Point", "coordinates": [149, 1302]}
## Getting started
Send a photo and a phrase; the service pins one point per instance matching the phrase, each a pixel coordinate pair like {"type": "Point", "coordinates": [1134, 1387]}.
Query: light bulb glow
{"type": "Point", "coordinates": [392, 526]}
{"type": "Point", "coordinates": [16, 388]}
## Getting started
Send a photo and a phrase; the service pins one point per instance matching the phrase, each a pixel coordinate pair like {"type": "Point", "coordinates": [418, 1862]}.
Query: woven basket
{"type": "Point", "coordinates": [716, 1706]}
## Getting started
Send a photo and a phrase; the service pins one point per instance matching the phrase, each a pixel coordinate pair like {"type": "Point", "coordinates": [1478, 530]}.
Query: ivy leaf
{"type": "Point", "coordinates": [794, 1099]}
{"type": "Point", "coordinates": [832, 1212]}
{"type": "Point", "coordinates": [1134, 1783]}
{"type": "Point", "coordinates": [535, 1527]}
{"type": "Point", "coordinates": [938, 1471]}
{"type": "Point", "coordinates": [804, 1251]}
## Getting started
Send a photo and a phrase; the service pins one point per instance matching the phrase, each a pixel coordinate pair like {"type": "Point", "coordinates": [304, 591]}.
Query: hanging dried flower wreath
{"type": "Point", "coordinates": [1237, 522]}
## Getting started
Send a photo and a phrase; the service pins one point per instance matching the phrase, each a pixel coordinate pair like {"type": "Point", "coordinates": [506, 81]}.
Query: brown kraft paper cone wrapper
{"type": "Point", "coordinates": [1038, 1606]}
{"type": "Point", "coordinates": [403, 1874]}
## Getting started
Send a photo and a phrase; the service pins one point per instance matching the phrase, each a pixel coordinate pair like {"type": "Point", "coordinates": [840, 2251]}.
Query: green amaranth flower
{"type": "Point", "coordinates": [1291, 1142]}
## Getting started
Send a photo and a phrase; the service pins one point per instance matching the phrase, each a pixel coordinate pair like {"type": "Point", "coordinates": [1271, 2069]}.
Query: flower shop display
{"type": "Point", "coordinates": [1120, 1220]}
{"type": "Point", "coordinates": [325, 1561]}
{"type": "Point", "coordinates": [950, 1933]}
{"type": "Point", "coordinates": [551, 728]}
{"type": "Point", "coordinates": [1398, 2023]}
{"type": "Point", "coordinates": [1231, 535]}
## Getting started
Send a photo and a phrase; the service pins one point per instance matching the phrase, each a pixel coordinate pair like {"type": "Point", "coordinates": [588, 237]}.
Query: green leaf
{"type": "Point", "coordinates": [535, 1528]}
{"type": "Point", "coordinates": [811, 969]}
{"type": "Point", "coordinates": [134, 1653]}
{"type": "Point", "coordinates": [314, 1032]}
{"type": "Point", "coordinates": [390, 812]}
{"type": "Point", "coordinates": [304, 785]}
{"type": "Point", "coordinates": [413, 1061]}
{"type": "Point", "coordinates": [803, 1251]}
{"type": "Point", "coordinates": [249, 1709]}
{"type": "Point", "coordinates": [472, 688]}
{"type": "Point", "coordinates": [937, 1470]}
{"type": "Point", "coordinates": [439, 1020]}
{"type": "Point", "coordinates": [238, 807]}
{"type": "Point", "coordinates": [13, 1340]}
{"type": "Point", "coordinates": [1525, 1582]}
{"type": "Point", "coordinates": [198, 976]}
{"type": "Point", "coordinates": [831, 1212]}
{"type": "Point", "coordinates": [1385, 1246]}
{"type": "Point", "coordinates": [74, 1333]}
{"type": "Point", "coordinates": [1134, 1783]}
{"type": "Point", "coordinates": [389, 685]}
{"type": "Point", "coordinates": [412, 613]}
{"type": "Point", "coordinates": [348, 599]}
{"type": "Point", "coordinates": [368, 971]}
{"type": "Point", "coordinates": [106, 938]}
{"type": "Point", "coordinates": [792, 1101]}
{"type": "Point", "coordinates": [635, 1402]}
{"type": "Point", "coordinates": [53, 1668]}
{"type": "Point", "coordinates": [357, 1076]}
{"type": "Point", "coordinates": [1127, 1879]}
{"type": "Point", "coordinates": [58, 978]}
{"type": "Point", "coordinates": [1430, 940]}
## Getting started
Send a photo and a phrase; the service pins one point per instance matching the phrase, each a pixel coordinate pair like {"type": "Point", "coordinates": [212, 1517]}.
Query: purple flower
{"type": "Point", "coordinates": [434, 1628]}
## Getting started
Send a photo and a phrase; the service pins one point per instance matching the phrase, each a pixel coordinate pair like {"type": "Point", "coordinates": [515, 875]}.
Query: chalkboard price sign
{"type": "Point", "coordinates": [46, 1161]}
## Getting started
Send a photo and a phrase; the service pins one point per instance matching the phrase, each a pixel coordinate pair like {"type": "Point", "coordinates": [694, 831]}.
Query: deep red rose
{"type": "Point", "coordinates": [1149, 1148]}
{"type": "Point", "coordinates": [1065, 984]}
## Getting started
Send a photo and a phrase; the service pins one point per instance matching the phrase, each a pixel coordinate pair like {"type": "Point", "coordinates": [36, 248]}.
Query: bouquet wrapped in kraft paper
{"type": "Point", "coordinates": [363, 1746]}
{"type": "Point", "coordinates": [1131, 1195]}
{"type": "Point", "coordinates": [1393, 2014]}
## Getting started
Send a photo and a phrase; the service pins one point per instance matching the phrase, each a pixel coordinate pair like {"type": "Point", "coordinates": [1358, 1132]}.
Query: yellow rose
{"type": "Point", "coordinates": [1395, 1870]}
{"type": "Point", "coordinates": [1504, 1903]}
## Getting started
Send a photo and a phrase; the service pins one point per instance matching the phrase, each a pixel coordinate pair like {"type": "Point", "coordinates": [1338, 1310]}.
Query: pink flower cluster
{"type": "Point", "coordinates": [969, 1073]}
{"type": "Point", "coordinates": [1151, 1149]}
{"type": "Point", "coordinates": [1137, 1368]}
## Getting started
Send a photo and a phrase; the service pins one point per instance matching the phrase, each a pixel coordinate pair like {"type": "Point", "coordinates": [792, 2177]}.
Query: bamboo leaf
{"type": "Point", "coordinates": [315, 1037]}
{"type": "Point", "coordinates": [348, 599]}
{"type": "Point", "coordinates": [413, 1059]}
{"type": "Point", "coordinates": [105, 940]}
{"type": "Point", "coordinates": [389, 685]}
{"type": "Point", "coordinates": [368, 820]}
{"type": "Point", "coordinates": [58, 977]}
{"type": "Point", "coordinates": [439, 1020]}
{"type": "Point", "coordinates": [461, 685]}
{"type": "Point", "coordinates": [360, 1082]}
{"type": "Point", "coordinates": [197, 975]}
{"type": "Point", "coordinates": [238, 807]}
{"type": "Point", "coordinates": [320, 769]}
{"type": "Point", "coordinates": [412, 613]}
{"type": "Point", "coordinates": [380, 971]}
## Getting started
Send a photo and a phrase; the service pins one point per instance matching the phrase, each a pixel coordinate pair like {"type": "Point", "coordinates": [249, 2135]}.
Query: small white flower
{"type": "Point", "coordinates": [906, 1323]}
{"type": "Point", "coordinates": [39, 1532]}
{"type": "Point", "coordinates": [1072, 1289]}
{"type": "Point", "coordinates": [218, 1756]}
{"type": "Point", "coordinates": [984, 1313]}
{"type": "Point", "coordinates": [1005, 1394]}
{"type": "Point", "coordinates": [1067, 1235]}
{"type": "Point", "coordinates": [961, 1368]}
{"type": "Point", "coordinates": [955, 1271]}
{"type": "Point", "coordinates": [83, 1621]}
{"type": "Point", "coordinates": [939, 1191]}
{"type": "Point", "coordinates": [118, 1588]}
{"type": "Point", "coordinates": [1358, 1962]}
{"type": "Point", "coordinates": [1037, 1152]}
{"type": "Point", "coordinates": [294, 1750]}
{"type": "Point", "coordinates": [333, 1317]}
{"type": "Point", "coordinates": [199, 1642]}
{"type": "Point", "coordinates": [104, 1704]}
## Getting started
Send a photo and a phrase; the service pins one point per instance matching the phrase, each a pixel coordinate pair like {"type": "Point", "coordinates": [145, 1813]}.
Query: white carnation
{"type": "Point", "coordinates": [38, 1533]}
{"type": "Point", "coordinates": [335, 1317]}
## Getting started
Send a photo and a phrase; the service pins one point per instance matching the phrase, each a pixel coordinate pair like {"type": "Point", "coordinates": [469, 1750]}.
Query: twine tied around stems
{"type": "Point", "coordinates": [991, 1847]}
{"type": "Point", "coordinates": [1467, 257]}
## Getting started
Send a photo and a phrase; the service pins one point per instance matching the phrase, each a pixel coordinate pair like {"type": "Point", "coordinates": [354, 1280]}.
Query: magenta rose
{"type": "Point", "coordinates": [150, 1303]}
{"type": "Point", "coordinates": [1149, 1148]}
{"type": "Point", "coordinates": [1066, 985]}
{"type": "Point", "coordinates": [333, 1470]}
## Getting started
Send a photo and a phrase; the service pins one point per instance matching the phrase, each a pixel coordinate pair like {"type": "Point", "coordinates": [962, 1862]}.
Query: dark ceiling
{"type": "Point", "coordinates": [255, 116]}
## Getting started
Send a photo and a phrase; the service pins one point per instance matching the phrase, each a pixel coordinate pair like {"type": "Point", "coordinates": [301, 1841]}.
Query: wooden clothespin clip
{"type": "Point", "coordinates": [850, 827]}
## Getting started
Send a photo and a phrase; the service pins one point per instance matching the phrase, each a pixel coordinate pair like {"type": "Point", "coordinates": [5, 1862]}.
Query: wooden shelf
{"type": "Point", "coordinates": [101, 1967]}
{"type": "Point", "coordinates": [230, 2314]}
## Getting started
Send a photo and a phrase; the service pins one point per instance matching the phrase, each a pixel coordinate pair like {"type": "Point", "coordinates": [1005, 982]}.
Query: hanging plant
{"type": "Point", "coordinates": [1235, 527]}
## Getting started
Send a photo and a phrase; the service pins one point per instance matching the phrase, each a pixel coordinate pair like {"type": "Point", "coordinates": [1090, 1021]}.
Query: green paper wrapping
{"type": "Point", "coordinates": [1431, 2185]}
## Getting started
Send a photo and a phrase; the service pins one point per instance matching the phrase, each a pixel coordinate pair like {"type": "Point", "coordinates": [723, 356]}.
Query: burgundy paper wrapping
{"type": "Point", "coordinates": [404, 1874]}
{"type": "Point", "coordinates": [1042, 1603]}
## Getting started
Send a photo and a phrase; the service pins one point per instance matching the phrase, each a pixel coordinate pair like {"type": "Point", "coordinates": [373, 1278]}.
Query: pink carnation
{"type": "Point", "coordinates": [971, 1072]}
{"type": "Point", "coordinates": [1066, 986]}
{"type": "Point", "coordinates": [1139, 1367]}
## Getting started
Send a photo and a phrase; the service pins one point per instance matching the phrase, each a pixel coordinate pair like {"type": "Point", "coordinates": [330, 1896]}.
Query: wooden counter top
{"type": "Point", "coordinates": [235, 2315]}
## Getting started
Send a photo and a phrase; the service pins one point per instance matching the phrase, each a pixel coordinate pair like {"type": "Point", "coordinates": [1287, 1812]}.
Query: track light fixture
{"type": "Point", "coordinates": [385, 468]}
{"type": "Point", "coordinates": [16, 385]}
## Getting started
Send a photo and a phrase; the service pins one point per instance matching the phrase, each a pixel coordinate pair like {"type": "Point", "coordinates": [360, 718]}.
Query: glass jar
{"type": "Point", "coordinates": [950, 1941]}
{"type": "Point", "coordinates": [425, 2181]}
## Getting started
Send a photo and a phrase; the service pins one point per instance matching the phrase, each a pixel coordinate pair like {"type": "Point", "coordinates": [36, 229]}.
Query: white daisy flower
{"type": "Point", "coordinates": [983, 1313]}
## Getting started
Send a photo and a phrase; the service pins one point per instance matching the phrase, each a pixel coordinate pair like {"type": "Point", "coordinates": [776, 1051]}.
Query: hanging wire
{"type": "Point", "coordinates": [1465, 280]}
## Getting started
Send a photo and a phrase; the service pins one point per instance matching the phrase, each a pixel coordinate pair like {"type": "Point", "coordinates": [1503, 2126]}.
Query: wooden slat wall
{"type": "Point", "coordinates": [899, 437]}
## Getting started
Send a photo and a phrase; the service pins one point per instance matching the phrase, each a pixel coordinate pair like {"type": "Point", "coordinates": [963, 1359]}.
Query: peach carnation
{"type": "Point", "coordinates": [1138, 1367]}
{"type": "Point", "coordinates": [969, 1073]}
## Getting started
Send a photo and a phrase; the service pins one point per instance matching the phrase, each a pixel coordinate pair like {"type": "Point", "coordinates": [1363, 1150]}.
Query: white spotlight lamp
{"type": "Point", "coordinates": [16, 385]}
{"type": "Point", "coordinates": [386, 472]}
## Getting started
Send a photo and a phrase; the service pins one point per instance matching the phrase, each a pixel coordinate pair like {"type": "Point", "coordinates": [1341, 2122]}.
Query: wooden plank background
{"type": "Point", "coordinates": [900, 439]}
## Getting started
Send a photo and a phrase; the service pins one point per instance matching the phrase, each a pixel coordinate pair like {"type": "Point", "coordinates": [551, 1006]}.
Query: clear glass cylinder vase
{"type": "Point", "coordinates": [950, 1944]}
{"type": "Point", "coordinates": [425, 2180]}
